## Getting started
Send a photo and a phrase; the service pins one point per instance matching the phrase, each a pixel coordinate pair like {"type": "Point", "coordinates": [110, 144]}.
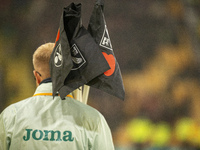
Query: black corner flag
{"type": "Point", "coordinates": [76, 58]}
{"type": "Point", "coordinates": [111, 80]}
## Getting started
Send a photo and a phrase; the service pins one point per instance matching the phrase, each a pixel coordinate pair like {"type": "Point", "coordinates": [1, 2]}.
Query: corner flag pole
{"type": "Point", "coordinates": [86, 90]}
{"type": "Point", "coordinates": [78, 94]}
{"type": "Point", "coordinates": [81, 94]}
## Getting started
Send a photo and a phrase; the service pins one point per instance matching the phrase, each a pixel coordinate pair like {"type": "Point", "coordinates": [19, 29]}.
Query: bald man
{"type": "Point", "coordinates": [43, 123]}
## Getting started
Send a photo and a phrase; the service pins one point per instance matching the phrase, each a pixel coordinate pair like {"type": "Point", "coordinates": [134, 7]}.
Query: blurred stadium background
{"type": "Point", "coordinates": [157, 45]}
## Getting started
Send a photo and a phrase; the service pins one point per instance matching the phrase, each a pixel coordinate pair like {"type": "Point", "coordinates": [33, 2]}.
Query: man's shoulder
{"type": "Point", "coordinates": [84, 108]}
{"type": "Point", "coordinates": [8, 115]}
{"type": "Point", "coordinates": [86, 115]}
{"type": "Point", "coordinates": [13, 108]}
{"type": "Point", "coordinates": [86, 111]}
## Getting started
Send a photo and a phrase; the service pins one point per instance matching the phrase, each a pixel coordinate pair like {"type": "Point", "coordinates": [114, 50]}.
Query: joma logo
{"type": "Point", "coordinates": [48, 135]}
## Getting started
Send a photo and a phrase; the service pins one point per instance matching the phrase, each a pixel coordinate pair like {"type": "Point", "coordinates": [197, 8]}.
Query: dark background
{"type": "Point", "coordinates": [156, 43]}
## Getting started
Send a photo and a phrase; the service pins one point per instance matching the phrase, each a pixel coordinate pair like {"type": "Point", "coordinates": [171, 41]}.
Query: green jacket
{"type": "Point", "coordinates": [43, 123]}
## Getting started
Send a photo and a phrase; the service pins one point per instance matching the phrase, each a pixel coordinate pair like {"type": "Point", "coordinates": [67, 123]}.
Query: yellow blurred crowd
{"type": "Point", "coordinates": [143, 133]}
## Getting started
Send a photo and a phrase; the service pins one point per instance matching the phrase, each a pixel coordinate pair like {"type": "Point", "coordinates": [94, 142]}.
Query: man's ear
{"type": "Point", "coordinates": [37, 77]}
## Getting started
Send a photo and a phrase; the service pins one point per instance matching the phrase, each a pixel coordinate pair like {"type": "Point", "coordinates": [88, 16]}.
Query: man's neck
{"type": "Point", "coordinates": [47, 80]}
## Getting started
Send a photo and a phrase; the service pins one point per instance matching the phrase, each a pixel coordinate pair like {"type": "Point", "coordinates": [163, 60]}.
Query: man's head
{"type": "Point", "coordinates": [41, 59]}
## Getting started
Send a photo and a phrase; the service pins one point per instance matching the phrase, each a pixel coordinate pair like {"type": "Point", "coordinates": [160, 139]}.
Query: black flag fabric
{"type": "Point", "coordinates": [83, 60]}
{"type": "Point", "coordinates": [111, 80]}
{"type": "Point", "coordinates": [60, 64]}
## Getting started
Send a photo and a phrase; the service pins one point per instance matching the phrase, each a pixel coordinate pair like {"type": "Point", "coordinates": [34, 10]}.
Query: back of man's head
{"type": "Point", "coordinates": [41, 59]}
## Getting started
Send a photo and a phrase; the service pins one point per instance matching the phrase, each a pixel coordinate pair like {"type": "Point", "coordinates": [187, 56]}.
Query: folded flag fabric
{"type": "Point", "coordinates": [111, 80]}
{"type": "Point", "coordinates": [76, 58]}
